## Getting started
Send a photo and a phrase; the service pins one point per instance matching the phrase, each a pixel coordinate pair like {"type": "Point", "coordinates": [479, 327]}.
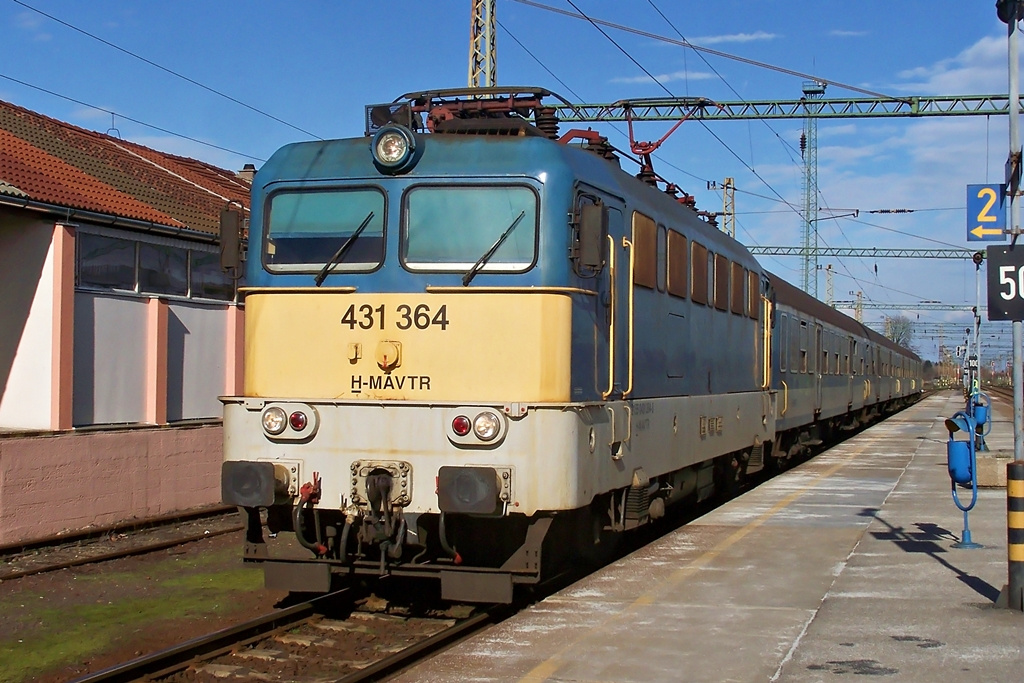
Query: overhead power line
{"type": "Point", "coordinates": [128, 118]}
{"type": "Point", "coordinates": [685, 43]}
{"type": "Point", "coordinates": [166, 70]}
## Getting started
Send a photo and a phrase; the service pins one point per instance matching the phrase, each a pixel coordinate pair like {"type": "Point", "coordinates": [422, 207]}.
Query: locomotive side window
{"type": "Point", "coordinates": [739, 280]}
{"type": "Point", "coordinates": [753, 295]}
{"type": "Point", "coordinates": [662, 257]}
{"type": "Point", "coordinates": [645, 247]}
{"type": "Point", "coordinates": [783, 341]}
{"type": "Point", "coordinates": [304, 229]}
{"type": "Point", "coordinates": [452, 228]}
{"type": "Point", "coordinates": [721, 282]}
{"type": "Point", "coordinates": [699, 285]}
{"type": "Point", "coordinates": [677, 262]}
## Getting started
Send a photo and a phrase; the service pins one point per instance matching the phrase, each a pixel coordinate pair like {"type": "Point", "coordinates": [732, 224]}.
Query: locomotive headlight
{"type": "Point", "coordinates": [391, 148]}
{"type": "Point", "coordinates": [274, 420]}
{"type": "Point", "coordinates": [394, 149]}
{"type": "Point", "coordinates": [486, 426]}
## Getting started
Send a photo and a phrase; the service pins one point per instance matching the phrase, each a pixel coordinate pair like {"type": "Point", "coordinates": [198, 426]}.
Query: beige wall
{"type": "Point", "coordinates": [75, 480]}
{"type": "Point", "coordinates": [26, 321]}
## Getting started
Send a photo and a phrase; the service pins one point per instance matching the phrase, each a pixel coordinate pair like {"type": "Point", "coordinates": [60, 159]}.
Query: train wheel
{"type": "Point", "coordinates": [727, 478]}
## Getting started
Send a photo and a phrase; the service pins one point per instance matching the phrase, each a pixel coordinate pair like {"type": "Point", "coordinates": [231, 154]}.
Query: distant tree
{"type": "Point", "coordinates": [900, 329]}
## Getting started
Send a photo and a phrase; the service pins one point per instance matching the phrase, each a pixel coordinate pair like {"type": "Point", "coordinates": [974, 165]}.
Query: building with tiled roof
{"type": "Point", "coordinates": [114, 315]}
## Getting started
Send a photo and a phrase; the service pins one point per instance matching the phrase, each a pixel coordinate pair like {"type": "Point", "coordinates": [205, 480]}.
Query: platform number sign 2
{"type": "Point", "coordinates": [986, 215]}
{"type": "Point", "coordinates": [1006, 282]}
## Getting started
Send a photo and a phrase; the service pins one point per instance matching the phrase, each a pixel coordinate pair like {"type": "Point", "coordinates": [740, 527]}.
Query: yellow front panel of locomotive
{"type": "Point", "coordinates": [429, 347]}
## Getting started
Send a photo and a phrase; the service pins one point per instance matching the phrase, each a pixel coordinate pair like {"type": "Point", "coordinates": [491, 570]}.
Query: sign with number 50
{"type": "Point", "coordinates": [1006, 283]}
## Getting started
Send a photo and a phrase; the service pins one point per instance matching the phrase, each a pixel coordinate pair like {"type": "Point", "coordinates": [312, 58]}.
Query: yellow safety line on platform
{"type": "Point", "coordinates": [546, 669]}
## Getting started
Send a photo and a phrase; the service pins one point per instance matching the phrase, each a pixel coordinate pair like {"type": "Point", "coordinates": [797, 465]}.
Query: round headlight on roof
{"type": "Point", "coordinates": [394, 149]}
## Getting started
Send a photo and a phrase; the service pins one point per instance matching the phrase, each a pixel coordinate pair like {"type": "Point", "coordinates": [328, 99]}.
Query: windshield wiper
{"type": "Point", "coordinates": [478, 266]}
{"type": "Point", "coordinates": [322, 275]}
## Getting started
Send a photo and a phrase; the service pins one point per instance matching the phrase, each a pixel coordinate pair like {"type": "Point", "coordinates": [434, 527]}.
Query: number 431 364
{"type": "Point", "coordinates": [404, 316]}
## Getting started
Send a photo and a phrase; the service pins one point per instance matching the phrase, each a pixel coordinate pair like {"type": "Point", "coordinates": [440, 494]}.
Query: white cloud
{"type": "Point", "coordinates": [980, 68]}
{"type": "Point", "coordinates": [839, 33]}
{"type": "Point", "coordinates": [666, 78]}
{"type": "Point", "coordinates": [734, 38]}
{"type": "Point", "coordinates": [31, 23]}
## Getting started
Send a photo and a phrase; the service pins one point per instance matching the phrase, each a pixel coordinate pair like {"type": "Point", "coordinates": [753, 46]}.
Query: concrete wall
{"type": "Point", "coordinates": [197, 348]}
{"type": "Point", "coordinates": [75, 480]}
{"type": "Point", "coordinates": [26, 321]}
{"type": "Point", "coordinates": [110, 364]}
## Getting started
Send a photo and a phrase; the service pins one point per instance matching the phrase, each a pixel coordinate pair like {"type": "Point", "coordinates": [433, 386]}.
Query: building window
{"type": "Point", "coordinates": [163, 269]}
{"type": "Point", "coordinates": [207, 280]}
{"type": "Point", "coordinates": [151, 265]}
{"type": "Point", "coordinates": [106, 262]}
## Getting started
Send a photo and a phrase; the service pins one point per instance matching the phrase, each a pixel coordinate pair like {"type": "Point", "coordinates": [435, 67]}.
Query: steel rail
{"type": "Point", "coordinates": [174, 658]}
{"type": "Point", "coordinates": [419, 651]}
{"type": "Point", "coordinates": [117, 554]}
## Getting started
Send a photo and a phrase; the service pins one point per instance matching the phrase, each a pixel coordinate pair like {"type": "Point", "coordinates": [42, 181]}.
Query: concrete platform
{"type": "Point", "coordinates": [838, 569]}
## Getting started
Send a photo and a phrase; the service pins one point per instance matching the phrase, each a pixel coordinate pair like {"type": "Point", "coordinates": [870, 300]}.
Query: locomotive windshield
{"type": "Point", "coordinates": [451, 228]}
{"type": "Point", "coordinates": [305, 230]}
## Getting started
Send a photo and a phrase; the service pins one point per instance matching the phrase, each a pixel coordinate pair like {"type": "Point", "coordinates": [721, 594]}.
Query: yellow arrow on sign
{"type": "Point", "coordinates": [981, 232]}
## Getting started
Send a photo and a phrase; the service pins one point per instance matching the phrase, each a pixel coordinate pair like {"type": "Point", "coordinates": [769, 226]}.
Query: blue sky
{"type": "Point", "coordinates": [315, 64]}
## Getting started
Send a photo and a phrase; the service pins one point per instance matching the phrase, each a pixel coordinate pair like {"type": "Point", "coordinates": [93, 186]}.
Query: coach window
{"type": "Point", "coordinates": [824, 352]}
{"type": "Point", "coordinates": [645, 249]}
{"type": "Point", "coordinates": [677, 264]}
{"type": "Point", "coordinates": [721, 283]}
{"type": "Point", "coordinates": [739, 281]}
{"type": "Point", "coordinates": [699, 284]}
{"type": "Point", "coordinates": [783, 341]}
{"type": "Point", "coordinates": [305, 229]}
{"type": "Point", "coordinates": [803, 346]}
{"type": "Point", "coordinates": [452, 228]}
{"type": "Point", "coordinates": [846, 355]}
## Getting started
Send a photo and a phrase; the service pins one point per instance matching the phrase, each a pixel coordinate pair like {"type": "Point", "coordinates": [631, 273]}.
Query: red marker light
{"type": "Point", "coordinates": [298, 421]}
{"type": "Point", "coordinates": [461, 425]}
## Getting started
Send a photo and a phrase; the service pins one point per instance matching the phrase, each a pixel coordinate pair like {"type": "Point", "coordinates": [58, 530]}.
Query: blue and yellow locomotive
{"type": "Point", "coordinates": [473, 347]}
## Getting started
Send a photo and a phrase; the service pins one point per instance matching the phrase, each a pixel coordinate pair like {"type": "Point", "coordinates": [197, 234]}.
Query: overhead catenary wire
{"type": "Point", "coordinates": [129, 118]}
{"type": "Point", "coordinates": [168, 71]}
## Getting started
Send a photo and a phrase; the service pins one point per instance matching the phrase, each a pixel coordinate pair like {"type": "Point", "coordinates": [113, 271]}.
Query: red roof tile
{"type": "Point", "coordinates": [52, 162]}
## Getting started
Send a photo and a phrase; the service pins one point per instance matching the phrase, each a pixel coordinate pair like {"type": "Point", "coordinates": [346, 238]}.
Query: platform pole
{"type": "Point", "coordinates": [1012, 595]}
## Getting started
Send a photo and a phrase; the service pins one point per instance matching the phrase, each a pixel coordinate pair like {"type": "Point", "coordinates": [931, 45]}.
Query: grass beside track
{"type": "Point", "coordinates": [104, 609]}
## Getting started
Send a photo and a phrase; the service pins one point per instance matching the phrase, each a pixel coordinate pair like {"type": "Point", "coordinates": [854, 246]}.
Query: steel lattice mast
{"type": "Point", "coordinates": [483, 54]}
{"type": "Point", "coordinates": [809, 148]}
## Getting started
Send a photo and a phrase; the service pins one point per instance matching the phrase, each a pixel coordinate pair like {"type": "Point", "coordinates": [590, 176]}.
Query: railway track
{"type": "Point", "coordinates": [302, 643]}
{"type": "Point", "coordinates": [114, 542]}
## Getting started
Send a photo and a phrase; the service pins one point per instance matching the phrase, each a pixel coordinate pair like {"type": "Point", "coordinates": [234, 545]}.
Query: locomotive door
{"type": "Point", "coordinates": [617, 293]}
{"type": "Point", "coordinates": [611, 304]}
